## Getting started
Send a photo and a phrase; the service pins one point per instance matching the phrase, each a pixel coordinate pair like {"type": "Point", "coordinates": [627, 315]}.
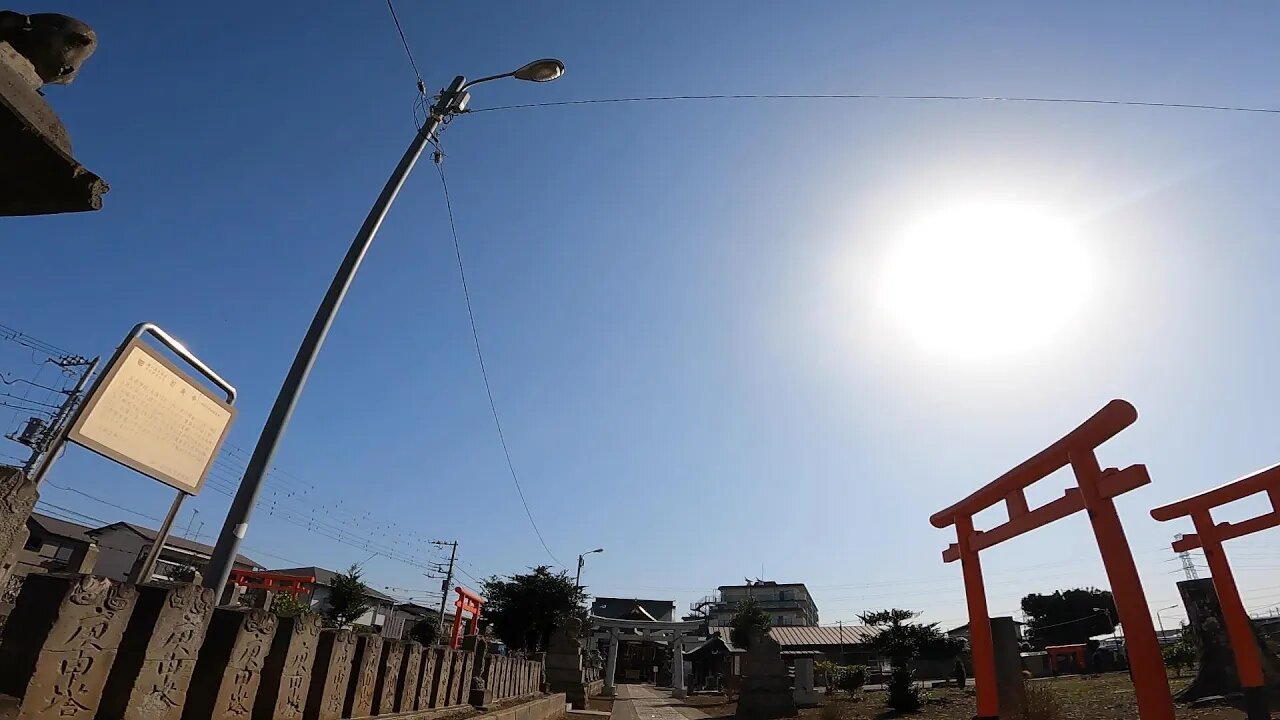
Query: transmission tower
{"type": "Point", "coordinates": [1188, 566]}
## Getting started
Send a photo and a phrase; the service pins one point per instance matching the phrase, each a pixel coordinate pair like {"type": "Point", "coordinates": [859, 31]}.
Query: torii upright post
{"type": "Point", "coordinates": [1210, 536]}
{"type": "Point", "coordinates": [1094, 492]}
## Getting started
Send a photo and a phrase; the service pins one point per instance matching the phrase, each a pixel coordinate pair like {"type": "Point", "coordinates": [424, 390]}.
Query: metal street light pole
{"type": "Point", "coordinates": [1160, 620]}
{"type": "Point", "coordinates": [577, 581]}
{"type": "Point", "coordinates": [452, 100]}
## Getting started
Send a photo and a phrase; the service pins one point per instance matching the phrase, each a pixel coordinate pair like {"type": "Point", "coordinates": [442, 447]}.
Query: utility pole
{"type": "Point", "coordinates": [38, 438]}
{"type": "Point", "coordinates": [448, 580]}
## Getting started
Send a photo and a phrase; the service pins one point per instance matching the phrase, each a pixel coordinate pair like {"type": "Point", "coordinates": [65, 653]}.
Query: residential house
{"type": "Point", "coordinates": [786, 603]}
{"type": "Point", "coordinates": [843, 644]}
{"type": "Point", "coordinates": [57, 545]}
{"type": "Point", "coordinates": [123, 547]}
{"type": "Point", "coordinates": [381, 607]}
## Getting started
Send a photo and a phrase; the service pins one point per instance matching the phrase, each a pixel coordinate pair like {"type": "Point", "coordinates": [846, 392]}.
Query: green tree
{"type": "Point", "coordinates": [901, 641]}
{"type": "Point", "coordinates": [1179, 655]}
{"type": "Point", "coordinates": [747, 616]}
{"type": "Point", "coordinates": [425, 632]}
{"type": "Point", "coordinates": [1068, 617]}
{"type": "Point", "coordinates": [348, 599]}
{"type": "Point", "coordinates": [524, 610]}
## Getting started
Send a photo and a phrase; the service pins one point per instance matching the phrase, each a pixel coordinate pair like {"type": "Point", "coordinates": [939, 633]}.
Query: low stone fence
{"type": "Point", "coordinates": [78, 647]}
{"type": "Point", "coordinates": [508, 678]}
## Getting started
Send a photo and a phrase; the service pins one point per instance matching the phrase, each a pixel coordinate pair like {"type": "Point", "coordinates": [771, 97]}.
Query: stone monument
{"type": "Point", "coordinates": [766, 688]}
{"type": "Point", "coordinates": [17, 497]}
{"type": "Point", "coordinates": [564, 664]}
{"type": "Point", "coordinates": [805, 694]}
{"type": "Point", "coordinates": [1215, 662]}
{"type": "Point", "coordinates": [39, 175]}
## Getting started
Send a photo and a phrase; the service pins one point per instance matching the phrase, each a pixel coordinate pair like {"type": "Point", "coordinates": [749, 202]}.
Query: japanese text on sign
{"type": "Point", "coordinates": [151, 417]}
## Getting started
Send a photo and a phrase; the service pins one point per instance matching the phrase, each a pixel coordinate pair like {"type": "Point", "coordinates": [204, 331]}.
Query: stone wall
{"type": "Point", "coordinates": [79, 647]}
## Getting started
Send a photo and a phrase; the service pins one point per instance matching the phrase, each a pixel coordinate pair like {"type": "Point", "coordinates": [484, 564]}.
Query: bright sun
{"type": "Point", "coordinates": [984, 281]}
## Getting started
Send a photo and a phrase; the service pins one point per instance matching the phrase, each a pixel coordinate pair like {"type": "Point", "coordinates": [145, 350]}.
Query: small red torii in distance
{"type": "Point", "coordinates": [467, 602]}
{"type": "Point", "coordinates": [1210, 536]}
{"type": "Point", "coordinates": [1094, 492]}
{"type": "Point", "coordinates": [292, 585]}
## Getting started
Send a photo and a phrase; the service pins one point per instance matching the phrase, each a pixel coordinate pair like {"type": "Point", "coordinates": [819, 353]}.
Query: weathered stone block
{"type": "Point", "coordinates": [766, 688]}
{"type": "Point", "coordinates": [444, 670]}
{"type": "Point", "coordinates": [329, 674]}
{"type": "Point", "coordinates": [157, 657]}
{"type": "Point", "coordinates": [430, 678]}
{"type": "Point", "coordinates": [17, 496]}
{"type": "Point", "coordinates": [59, 644]}
{"type": "Point", "coordinates": [364, 676]}
{"type": "Point", "coordinates": [384, 690]}
{"type": "Point", "coordinates": [457, 678]}
{"type": "Point", "coordinates": [407, 685]}
{"type": "Point", "coordinates": [229, 667]}
{"type": "Point", "coordinates": [286, 674]}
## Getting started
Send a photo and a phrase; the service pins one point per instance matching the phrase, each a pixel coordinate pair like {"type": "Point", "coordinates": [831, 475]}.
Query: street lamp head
{"type": "Point", "coordinates": [598, 550]}
{"type": "Point", "coordinates": [544, 70]}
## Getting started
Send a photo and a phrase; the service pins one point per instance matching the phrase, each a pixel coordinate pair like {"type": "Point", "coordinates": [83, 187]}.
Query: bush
{"type": "Point", "coordinates": [904, 696]}
{"type": "Point", "coordinates": [1041, 703]}
{"type": "Point", "coordinates": [424, 631]}
{"type": "Point", "coordinates": [286, 605]}
{"type": "Point", "coordinates": [852, 678]}
{"type": "Point", "coordinates": [826, 670]}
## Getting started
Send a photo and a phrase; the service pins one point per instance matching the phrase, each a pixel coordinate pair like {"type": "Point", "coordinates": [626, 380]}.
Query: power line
{"type": "Point", "coordinates": [864, 96]}
{"type": "Point", "coordinates": [422, 86]}
{"type": "Point", "coordinates": [484, 373]}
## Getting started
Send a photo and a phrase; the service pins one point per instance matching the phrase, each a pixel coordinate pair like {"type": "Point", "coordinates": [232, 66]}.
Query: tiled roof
{"type": "Point", "coordinates": [793, 637]}
{"type": "Point", "coordinates": [789, 636]}
{"type": "Point", "coordinates": [61, 528]}
{"type": "Point", "coordinates": [325, 577]}
{"type": "Point", "coordinates": [173, 541]}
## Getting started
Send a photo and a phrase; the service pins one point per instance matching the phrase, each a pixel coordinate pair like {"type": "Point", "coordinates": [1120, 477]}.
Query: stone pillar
{"type": "Point", "coordinates": [1008, 654]}
{"type": "Point", "coordinates": [481, 693]}
{"type": "Point", "coordinates": [766, 689]}
{"type": "Point", "coordinates": [407, 688]}
{"type": "Point", "coordinates": [564, 664]}
{"type": "Point", "coordinates": [328, 686]}
{"type": "Point", "coordinates": [229, 668]}
{"type": "Point", "coordinates": [460, 682]}
{"type": "Point", "coordinates": [286, 674]}
{"type": "Point", "coordinates": [59, 644]}
{"type": "Point", "coordinates": [444, 666]}
{"type": "Point", "coordinates": [677, 667]}
{"type": "Point", "coordinates": [429, 678]}
{"type": "Point", "coordinates": [804, 692]}
{"type": "Point", "coordinates": [364, 676]}
{"type": "Point", "coordinates": [384, 689]}
{"type": "Point", "coordinates": [157, 657]}
{"type": "Point", "coordinates": [17, 497]}
{"type": "Point", "coordinates": [611, 664]}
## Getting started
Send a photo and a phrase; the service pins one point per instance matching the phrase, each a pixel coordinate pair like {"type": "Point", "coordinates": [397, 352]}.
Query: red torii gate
{"type": "Point", "coordinates": [1210, 536]}
{"type": "Point", "coordinates": [1095, 491]}
{"type": "Point", "coordinates": [467, 602]}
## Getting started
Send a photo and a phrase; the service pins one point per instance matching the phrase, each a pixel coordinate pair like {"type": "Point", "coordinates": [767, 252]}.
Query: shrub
{"type": "Point", "coordinates": [904, 696]}
{"type": "Point", "coordinates": [852, 678]}
{"type": "Point", "coordinates": [424, 631]}
{"type": "Point", "coordinates": [286, 605]}
{"type": "Point", "coordinates": [1041, 703]}
{"type": "Point", "coordinates": [826, 670]}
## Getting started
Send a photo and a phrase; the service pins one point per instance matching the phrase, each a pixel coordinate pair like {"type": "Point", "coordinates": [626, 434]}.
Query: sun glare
{"type": "Point", "coordinates": [984, 281]}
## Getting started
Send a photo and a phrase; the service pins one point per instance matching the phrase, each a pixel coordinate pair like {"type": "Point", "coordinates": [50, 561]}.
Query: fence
{"type": "Point", "coordinates": [78, 647]}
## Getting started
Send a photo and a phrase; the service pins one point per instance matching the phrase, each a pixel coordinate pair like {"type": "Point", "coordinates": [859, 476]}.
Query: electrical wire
{"type": "Point", "coordinates": [484, 373]}
{"type": "Point", "coordinates": [422, 86]}
{"type": "Point", "coordinates": [865, 96]}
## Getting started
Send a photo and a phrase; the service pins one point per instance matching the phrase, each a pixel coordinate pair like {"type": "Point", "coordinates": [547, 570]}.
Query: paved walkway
{"type": "Point", "coordinates": [645, 702]}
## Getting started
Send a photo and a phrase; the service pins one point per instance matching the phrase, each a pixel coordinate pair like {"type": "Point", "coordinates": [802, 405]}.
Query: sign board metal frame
{"type": "Point", "coordinates": [64, 431]}
{"type": "Point", "coordinates": [76, 432]}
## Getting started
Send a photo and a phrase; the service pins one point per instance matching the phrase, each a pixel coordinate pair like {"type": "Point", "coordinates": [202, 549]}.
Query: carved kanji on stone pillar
{"type": "Point", "coordinates": [364, 676]}
{"type": "Point", "coordinates": [229, 669]}
{"type": "Point", "coordinates": [60, 642]}
{"type": "Point", "coordinates": [157, 657]}
{"type": "Point", "coordinates": [329, 675]}
{"type": "Point", "coordinates": [286, 674]}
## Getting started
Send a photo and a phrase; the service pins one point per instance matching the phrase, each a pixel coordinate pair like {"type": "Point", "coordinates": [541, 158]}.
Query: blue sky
{"type": "Point", "coordinates": [673, 297]}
